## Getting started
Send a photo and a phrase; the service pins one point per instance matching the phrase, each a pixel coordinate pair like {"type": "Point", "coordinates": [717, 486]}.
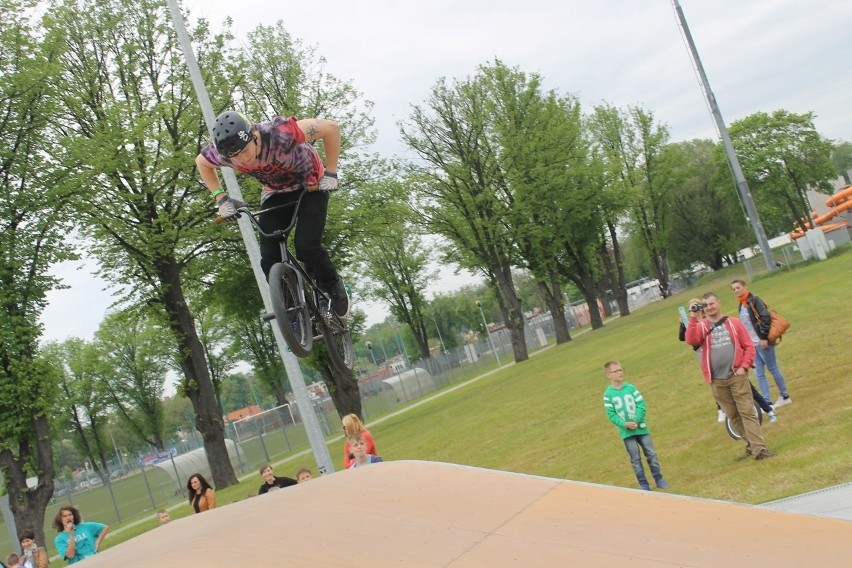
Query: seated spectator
{"type": "Point", "coordinates": [201, 494]}
{"type": "Point", "coordinates": [304, 474]}
{"type": "Point", "coordinates": [32, 555]}
{"type": "Point", "coordinates": [271, 482]}
{"type": "Point", "coordinates": [353, 425]}
{"type": "Point", "coordinates": [163, 517]}
{"type": "Point", "coordinates": [360, 455]}
{"type": "Point", "coordinates": [77, 540]}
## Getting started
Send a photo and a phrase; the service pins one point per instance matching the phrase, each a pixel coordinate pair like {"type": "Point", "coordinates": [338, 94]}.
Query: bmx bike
{"type": "Point", "coordinates": [302, 310]}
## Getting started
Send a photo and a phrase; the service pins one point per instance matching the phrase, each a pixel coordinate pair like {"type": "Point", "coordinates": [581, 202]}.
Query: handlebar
{"type": "Point", "coordinates": [252, 216]}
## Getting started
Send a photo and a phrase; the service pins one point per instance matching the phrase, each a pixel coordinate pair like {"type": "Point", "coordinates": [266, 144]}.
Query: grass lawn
{"type": "Point", "coordinates": [545, 416]}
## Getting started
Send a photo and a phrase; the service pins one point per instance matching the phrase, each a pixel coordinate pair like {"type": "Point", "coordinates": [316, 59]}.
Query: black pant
{"type": "Point", "coordinates": [307, 242]}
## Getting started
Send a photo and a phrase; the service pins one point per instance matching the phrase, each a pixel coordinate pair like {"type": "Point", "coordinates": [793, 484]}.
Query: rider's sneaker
{"type": "Point", "coordinates": [339, 299]}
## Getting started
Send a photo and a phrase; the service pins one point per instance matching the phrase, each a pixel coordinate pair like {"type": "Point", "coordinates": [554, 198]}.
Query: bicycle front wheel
{"type": "Point", "coordinates": [338, 340]}
{"type": "Point", "coordinates": [291, 310]}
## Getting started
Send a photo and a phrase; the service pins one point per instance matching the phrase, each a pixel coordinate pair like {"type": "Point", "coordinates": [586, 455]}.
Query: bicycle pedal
{"type": "Point", "coordinates": [268, 317]}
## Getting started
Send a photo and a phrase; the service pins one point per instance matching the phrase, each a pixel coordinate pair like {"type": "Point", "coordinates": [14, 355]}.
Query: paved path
{"type": "Point", "coordinates": [834, 502]}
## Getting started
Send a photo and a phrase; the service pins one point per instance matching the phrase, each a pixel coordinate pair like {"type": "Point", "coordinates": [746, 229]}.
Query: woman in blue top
{"type": "Point", "coordinates": [77, 540]}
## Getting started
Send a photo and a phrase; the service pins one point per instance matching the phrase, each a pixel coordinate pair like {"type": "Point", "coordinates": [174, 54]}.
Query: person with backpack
{"type": "Point", "coordinates": [755, 315]}
{"type": "Point", "coordinates": [727, 354]}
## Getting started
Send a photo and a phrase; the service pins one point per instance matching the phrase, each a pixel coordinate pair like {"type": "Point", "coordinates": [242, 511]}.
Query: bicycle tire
{"type": "Point", "coordinates": [291, 310]}
{"type": "Point", "coordinates": [730, 428]}
{"type": "Point", "coordinates": [340, 350]}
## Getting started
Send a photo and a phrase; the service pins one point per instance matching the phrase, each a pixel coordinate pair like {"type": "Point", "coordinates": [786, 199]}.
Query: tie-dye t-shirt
{"type": "Point", "coordinates": [286, 161]}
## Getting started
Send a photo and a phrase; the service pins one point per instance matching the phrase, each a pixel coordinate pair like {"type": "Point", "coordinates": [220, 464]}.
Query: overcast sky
{"type": "Point", "coordinates": [759, 55]}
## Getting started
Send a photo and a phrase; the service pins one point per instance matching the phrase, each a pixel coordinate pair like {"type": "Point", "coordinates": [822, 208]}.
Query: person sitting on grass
{"type": "Point", "coordinates": [32, 555]}
{"type": "Point", "coordinates": [353, 425]}
{"type": "Point", "coordinates": [77, 540]}
{"type": "Point", "coordinates": [202, 497]}
{"type": "Point", "coordinates": [304, 474]}
{"type": "Point", "coordinates": [360, 455]}
{"type": "Point", "coordinates": [271, 482]}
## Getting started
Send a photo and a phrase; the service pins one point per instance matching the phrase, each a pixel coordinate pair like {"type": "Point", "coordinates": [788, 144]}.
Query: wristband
{"type": "Point", "coordinates": [218, 192]}
{"type": "Point", "coordinates": [331, 174]}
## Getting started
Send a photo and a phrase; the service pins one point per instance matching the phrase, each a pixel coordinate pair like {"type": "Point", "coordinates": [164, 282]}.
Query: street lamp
{"type": "Point", "coordinates": [487, 332]}
{"type": "Point", "coordinates": [373, 355]}
{"type": "Point", "coordinates": [441, 339]}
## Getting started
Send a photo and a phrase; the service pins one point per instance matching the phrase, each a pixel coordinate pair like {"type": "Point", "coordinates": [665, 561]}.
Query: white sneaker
{"type": "Point", "coordinates": [782, 402]}
{"type": "Point", "coordinates": [721, 417]}
{"type": "Point", "coordinates": [772, 416]}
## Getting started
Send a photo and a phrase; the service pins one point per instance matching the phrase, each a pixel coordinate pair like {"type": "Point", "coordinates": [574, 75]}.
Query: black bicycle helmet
{"type": "Point", "coordinates": [231, 133]}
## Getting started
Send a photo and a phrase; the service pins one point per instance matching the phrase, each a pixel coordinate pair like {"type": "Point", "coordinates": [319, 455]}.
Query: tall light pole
{"type": "Point", "coordinates": [742, 184]}
{"type": "Point", "coordinates": [487, 332]}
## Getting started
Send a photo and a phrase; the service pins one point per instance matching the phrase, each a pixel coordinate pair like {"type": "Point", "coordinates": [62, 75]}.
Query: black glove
{"type": "Point", "coordinates": [228, 208]}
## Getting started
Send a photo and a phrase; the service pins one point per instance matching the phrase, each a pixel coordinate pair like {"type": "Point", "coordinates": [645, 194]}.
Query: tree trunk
{"type": "Point", "coordinates": [343, 390]}
{"type": "Point", "coordinates": [513, 312]}
{"type": "Point", "coordinates": [553, 299]}
{"type": "Point", "coordinates": [197, 382]}
{"type": "Point", "coordinates": [586, 285]}
{"type": "Point", "coordinates": [28, 505]}
{"type": "Point", "coordinates": [661, 268]}
{"type": "Point", "coordinates": [621, 291]}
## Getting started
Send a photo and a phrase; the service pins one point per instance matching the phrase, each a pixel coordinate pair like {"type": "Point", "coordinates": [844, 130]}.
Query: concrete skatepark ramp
{"type": "Point", "coordinates": [410, 513]}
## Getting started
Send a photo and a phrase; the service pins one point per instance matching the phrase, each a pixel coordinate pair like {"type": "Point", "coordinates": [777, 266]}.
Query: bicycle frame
{"type": "Point", "coordinates": [289, 258]}
{"type": "Point", "coordinates": [303, 318]}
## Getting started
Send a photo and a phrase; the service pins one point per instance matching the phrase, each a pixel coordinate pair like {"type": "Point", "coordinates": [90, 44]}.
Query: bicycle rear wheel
{"type": "Point", "coordinates": [730, 427]}
{"type": "Point", "coordinates": [338, 340]}
{"type": "Point", "coordinates": [291, 310]}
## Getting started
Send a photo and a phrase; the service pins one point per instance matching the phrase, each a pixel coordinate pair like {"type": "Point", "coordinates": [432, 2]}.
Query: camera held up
{"type": "Point", "coordinates": [697, 307]}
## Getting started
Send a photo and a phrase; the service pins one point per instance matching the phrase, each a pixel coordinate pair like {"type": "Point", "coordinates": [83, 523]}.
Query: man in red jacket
{"type": "Point", "coordinates": [727, 353]}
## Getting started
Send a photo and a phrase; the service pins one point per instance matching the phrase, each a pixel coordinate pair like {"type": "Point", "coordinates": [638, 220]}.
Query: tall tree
{"type": "Point", "coordinates": [544, 157]}
{"type": "Point", "coordinates": [394, 257]}
{"type": "Point", "coordinates": [132, 368]}
{"type": "Point", "coordinates": [841, 158]}
{"type": "Point", "coordinates": [131, 128]}
{"type": "Point", "coordinates": [463, 194]}
{"type": "Point", "coordinates": [633, 147]}
{"type": "Point", "coordinates": [707, 222]}
{"type": "Point", "coordinates": [84, 398]}
{"type": "Point", "coordinates": [783, 156]}
{"type": "Point", "coordinates": [34, 221]}
{"type": "Point", "coordinates": [612, 180]}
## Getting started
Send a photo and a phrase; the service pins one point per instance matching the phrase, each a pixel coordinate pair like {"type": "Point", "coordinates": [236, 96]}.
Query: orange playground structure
{"type": "Point", "coordinates": [840, 203]}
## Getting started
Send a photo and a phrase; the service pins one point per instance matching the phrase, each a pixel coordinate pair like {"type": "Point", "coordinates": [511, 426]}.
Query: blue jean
{"type": "Point", "coordinates": [765, 359]}
{"type": "Point", "coordinates": [633, 443]}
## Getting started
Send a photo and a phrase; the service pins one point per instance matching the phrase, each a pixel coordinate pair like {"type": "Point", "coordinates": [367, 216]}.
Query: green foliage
{"type": "Point", "coordinates": [132, 365]}
{"type": "Point", "coordinates": [550, 406]}
{"type": "Point", "coordinates": [642, 171]}
{"type": "Point", "coordinates": [841, 159]}
{"type": "Point", "coordinates": [782, 156]}
{"type": "Point", "coordinates": [707, 221]}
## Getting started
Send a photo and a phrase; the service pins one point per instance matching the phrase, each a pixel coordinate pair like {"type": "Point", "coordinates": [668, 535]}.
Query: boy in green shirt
{"type": "Point", "coordinates": [625, 408]}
